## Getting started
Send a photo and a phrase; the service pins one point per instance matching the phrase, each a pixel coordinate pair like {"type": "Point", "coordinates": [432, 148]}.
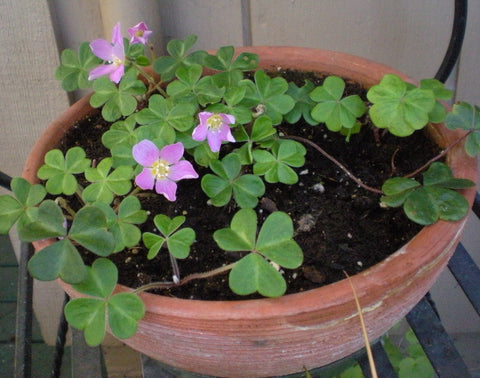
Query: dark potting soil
{"type": "Point", "coordinates": [339, 225]}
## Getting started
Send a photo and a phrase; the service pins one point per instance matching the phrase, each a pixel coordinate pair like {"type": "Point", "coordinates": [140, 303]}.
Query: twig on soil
{"type": "Point", "coordinates": [335, 161]}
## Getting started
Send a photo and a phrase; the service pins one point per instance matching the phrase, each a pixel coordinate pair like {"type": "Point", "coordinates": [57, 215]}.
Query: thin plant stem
{"type": "Point", "coordinates": [440, 155]}
{"type": "Point", "coordinates": [175, 268]}
{"type": "Point", "coordinates": [371, 361]}
{"type": "Point", "coordinates": [335, 161]}
{"type": "Point", "coordinates": [191, 277]}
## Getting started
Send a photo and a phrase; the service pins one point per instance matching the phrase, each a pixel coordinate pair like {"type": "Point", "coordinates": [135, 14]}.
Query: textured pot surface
{"type": "Point", "coordinates": [284, 335]}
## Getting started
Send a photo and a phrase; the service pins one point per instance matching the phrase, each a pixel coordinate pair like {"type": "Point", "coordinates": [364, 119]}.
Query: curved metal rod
{"type": "Point", "coordinates": [456, 41]}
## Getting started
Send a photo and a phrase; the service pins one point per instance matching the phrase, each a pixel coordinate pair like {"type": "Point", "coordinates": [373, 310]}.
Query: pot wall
{"type": "Point", "coordinates": [285, 335]}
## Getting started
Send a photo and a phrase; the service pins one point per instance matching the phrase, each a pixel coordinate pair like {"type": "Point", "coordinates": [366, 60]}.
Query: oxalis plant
{"type": "Point", "coordinates": [184, 120]}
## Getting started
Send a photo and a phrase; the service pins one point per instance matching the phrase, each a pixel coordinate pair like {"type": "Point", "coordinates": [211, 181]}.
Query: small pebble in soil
{"type": "Point", "coordinates": [318, 188]}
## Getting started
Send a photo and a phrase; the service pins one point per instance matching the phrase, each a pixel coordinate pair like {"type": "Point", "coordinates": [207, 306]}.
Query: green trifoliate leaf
{"type": "Point", "coordinates": [89, 229]}
{"type": "Point", "coordinates": [163, 117]}
{"type": "Point", "coordinates": [59, 170]}
{"type": "Point", "coordinates": [303, 103]}
{"type": "Point", "coordinates": [166, 66]}
{"type": "Point", "coordinates": [11, 208]}
{"type": "Point", "coordinates": [191, 86]}
{"type": "Point", "coordinates": [397, 190]}
{"type": "Point", "coordinates": [436, 199]}
{"type": "Point", "coordinates": [46, 221]}
{"type": "Point", "coordinates": [58, 260]}
{"type": "Point", "coordinates": [276, 165]}
{"type": "Point", "coordinates": [87, 314]}
{"type": "Point", "coordinates": [74, 68]}
{"type": "Point", "coordinates": [398, 109]}
{"type": "Point", "coordinates": [178, 241]}
{"type": "Point", "coordinates": [241, 234]}
{"type": "Point", "coordinates": [275, 241]}
{"type": "Point", "coordinates": [246, 189]}
{"type": "Point", "coordinates": [231, 68]}
{"type": "Point", "coordinates": [123, 225]}
{"type": "Point", "coordinates": [336, 112]}
{"type": "Point", "coordinates": [268, 96]}
{"type": "Point", "coordinates": [124, 312]}
{"type": "Point", "coordinates": [100, 280]}
{"type": "Point", "coordinates": [466, 117]}
{"type": "Point", "coordinates": [439, 112]}
{"type": "Point", "coordinates": [105, 183]}
{"type": "Point", "coordinates": [254, 272]}
{"type": "Point", "coordinates": [118, 100]}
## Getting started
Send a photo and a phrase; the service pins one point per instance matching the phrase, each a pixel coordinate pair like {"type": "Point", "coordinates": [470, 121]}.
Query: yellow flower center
{"type": "Point", "coordinates": [160, 169]}
{"type": "Point", "coordinates": [139, 33]}
{"type": "Point", "coordinates": [117, 61]}
{"type": "Point", "coordinates": [214, 122]}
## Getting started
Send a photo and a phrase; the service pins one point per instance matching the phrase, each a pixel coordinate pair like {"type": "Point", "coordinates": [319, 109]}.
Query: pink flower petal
{"type": "Point", "coordinates": [117, 35]}
{"type": "Point", "coordinates": [200, 132]}
{"type": "Point", "coordinates": [102, 49]}
{"type": "Point", "coordinates": [167, 188]}
{"type": "Point", "coordinates": [227, 118]}
{"type": "Point", "coordinates": [104, 69]}
{"type": "Point", "coordinates": [204, 116]}
{"type": "Point", "coordinates": [172, 153]}
{"type": "Point", "coordinates": [214, 141]}
{"type": "Point", "coordinates": [225, 133]}
{"type": "Point", "coordinates": [145, 179]}
{"type": "Point", "coordinates": [117, 74]}
{"type": "Point", "coordinates": [145, 153]}
{"type": "Point", "coordinates": [182, 170]}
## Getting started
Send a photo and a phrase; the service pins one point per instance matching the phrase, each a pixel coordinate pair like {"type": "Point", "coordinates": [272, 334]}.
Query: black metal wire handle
{"type": "Point", "coordinates": [456, 41]}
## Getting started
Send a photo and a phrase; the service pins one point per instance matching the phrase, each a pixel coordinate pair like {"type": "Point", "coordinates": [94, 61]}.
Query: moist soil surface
{"type": "Point", "coordinates": [339, 225]}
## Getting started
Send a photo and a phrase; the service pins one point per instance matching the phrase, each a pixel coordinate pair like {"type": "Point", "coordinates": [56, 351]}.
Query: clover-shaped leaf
{"type": "Point", "coordinates": [178, 241]}
{"type": "Point", "coordinates": [88, 314]}
{"type": "Point", "coordinates": [441, 93]}
{"type": "Point", "coordinates": [191, 86]}
{"type": "Point", "coordinates": [59, 170]}
{"type": "Point", "coordinates": [336, 112]}
{"type": "Point", "coordinates": [124, 312]}
{"type": "Point", "coordinates": [123, 224]}
{"type": "Point", "coordinates": [246, 189]}
{"type": "Point", "coordinates": [466, 117]}
{"type": "Point", "coordinates": [46, 221]}
{"type": "Point", "coordinates": [270, 94]}
{"type": "Point", "coordinates": [303, 103]}
{"type": "Point", "coordinates": [254, 272]}
{"type": "Point", "coordinates": [166, 66]}
{"type": "Point", "coordinates": [89, 229]}
{"type": "Point", "coordinates": [118, 100]}
{"type": "Point", "coordinates": [105, 183]}
{"type": "Point", "coordinates": [58, 260]}
{"type": "Point", "coordinates": [398, 109]}
{"type": "Point", "coordinates": [231, 68]}
{"type": "Point", "coordinates": [74, 69]}
{"type": "Point", "coordinates": [163, 114]}
{"type": "Point", "coordinates": [435, 199]}
{"type": "Point", "coordinates": [276, 166]}
{"type": "Point", "coordinates": [12, 207]}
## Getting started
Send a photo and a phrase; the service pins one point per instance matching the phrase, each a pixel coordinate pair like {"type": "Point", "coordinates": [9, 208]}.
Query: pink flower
{"type": "Point", "coordinates": [162, 168]}
{"type": "Point", "coordinates": [214, 127]}
{"type": "Point", "coordinates": [112, 53]}
{"type": "Point", "coordinates": [139, 33]}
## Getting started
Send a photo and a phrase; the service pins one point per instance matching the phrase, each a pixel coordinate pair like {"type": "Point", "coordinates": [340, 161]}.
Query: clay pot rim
{"type": "Point", "coordinates": [330, 296]}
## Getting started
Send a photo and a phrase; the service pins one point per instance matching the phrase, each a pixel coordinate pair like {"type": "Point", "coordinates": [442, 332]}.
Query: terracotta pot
{"type": "Point", "coordinates": [284, 335]}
